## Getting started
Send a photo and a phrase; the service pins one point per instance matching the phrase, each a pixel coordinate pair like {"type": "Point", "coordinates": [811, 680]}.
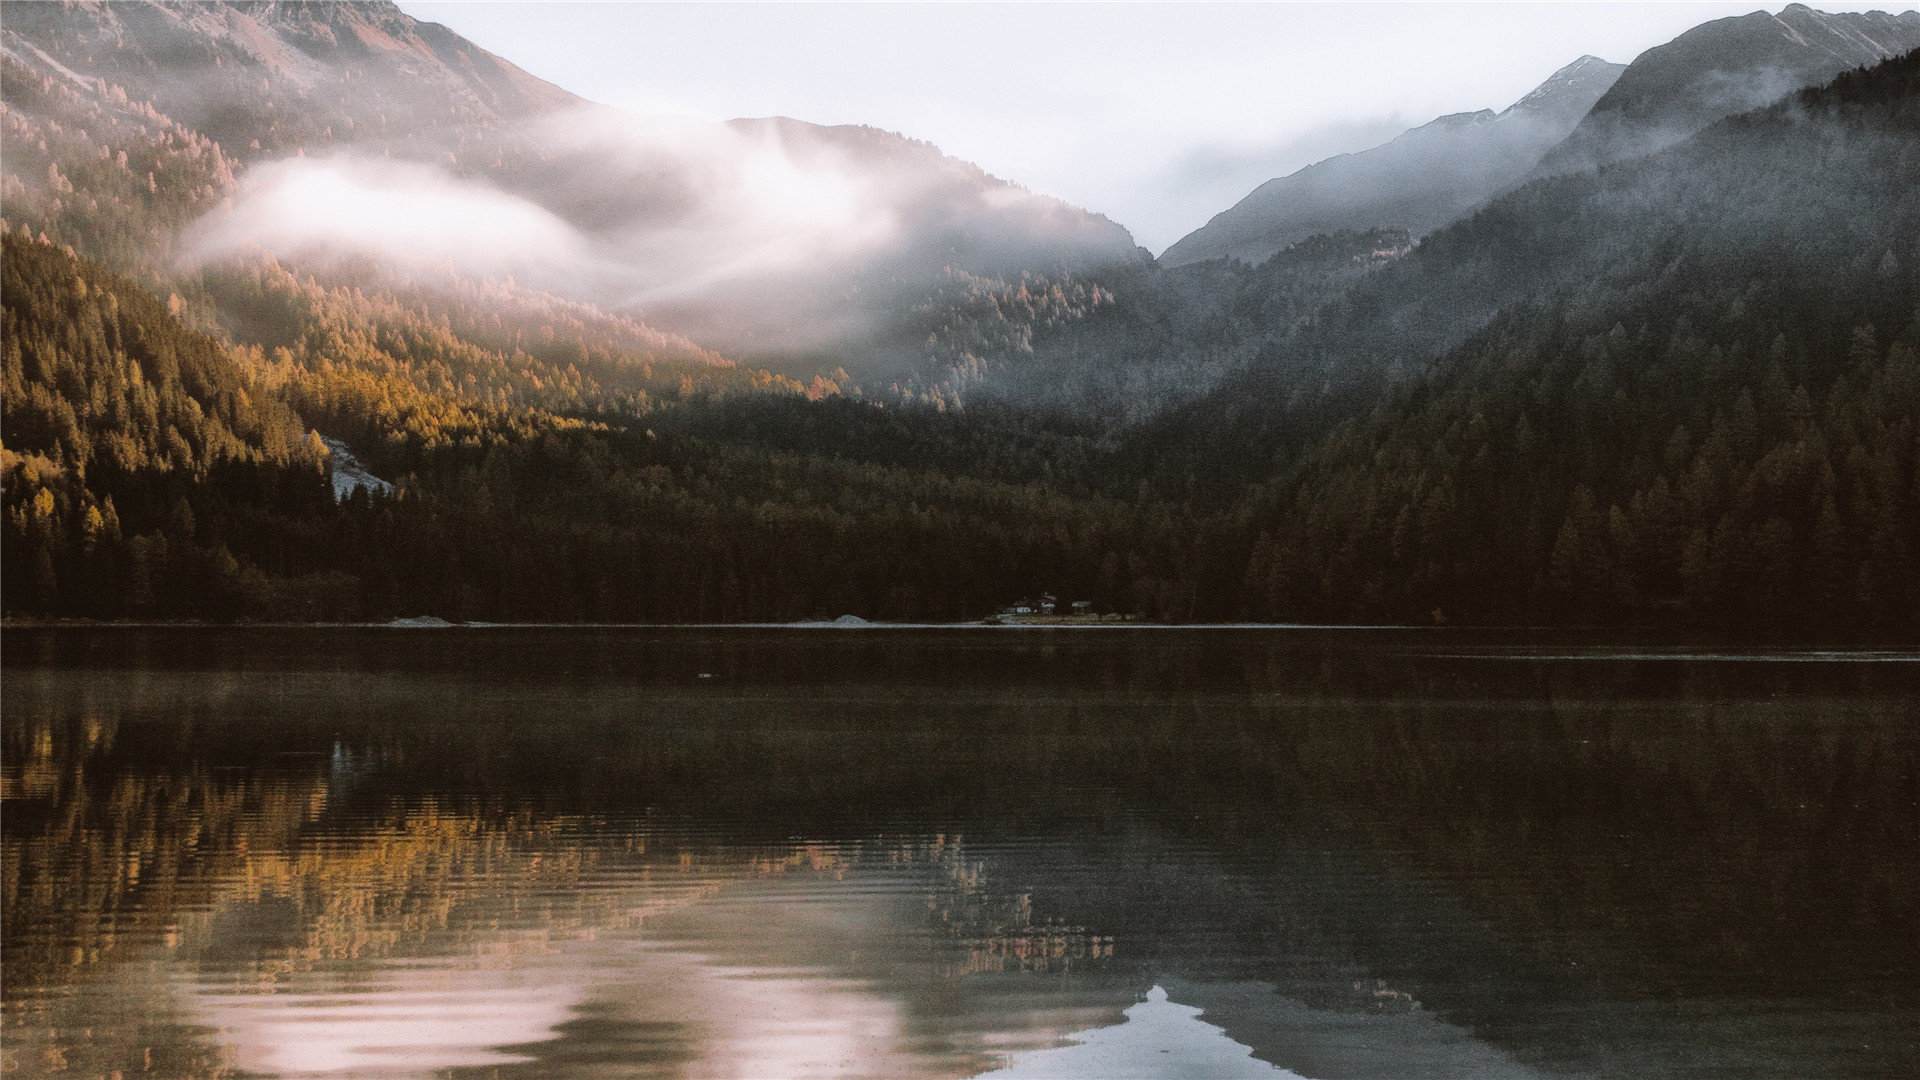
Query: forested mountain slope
{"type": "Point", "coordinates": [1121, 347]}
{"type": "Point", "coordinates": [137, 451]}
{"type": "Point", "coordinates": [1421, 180]}
{"type": "Point", "coordinates": [1798, 202]}
{"type": "Point", "coordinates": [1713, 404]}
{"type": "Point", "coordinates": [91, 166]}
{"type": "Point", "coordinates": [152, 472]}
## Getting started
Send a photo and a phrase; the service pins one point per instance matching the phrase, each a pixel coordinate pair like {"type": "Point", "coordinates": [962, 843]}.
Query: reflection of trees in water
{"type": "Point", "coordinates": [98, 857]}
{"type": "Point", "coordinates": [1583, 804]}
{"type": "Point", "coordinates": [1708, 862]}
{"type": "Point", "coordinates": [1621, 828]}
{"type": "Point", "coordinates": [99, 865]}
{"type": "Point", "coordinates": [254, 877]}
{"type": "Point", "coordinates": [994, 930]}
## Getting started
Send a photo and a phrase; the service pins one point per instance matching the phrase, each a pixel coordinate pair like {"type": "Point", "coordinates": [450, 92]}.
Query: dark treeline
{"type": "Point", "coordinates": [183, 485]}
{"type": "Point", "coordinates": [1606, 473]}
{"type": "Point", "coordinates": [151, 471]}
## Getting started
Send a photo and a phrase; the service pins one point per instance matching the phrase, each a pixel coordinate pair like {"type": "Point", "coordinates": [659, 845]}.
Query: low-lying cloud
{"type": "Point", "coordinates": [682, 205]}
{"type": "Point", "coordinates": [406, 212]}
{"type": "Point", "coordinates": [661, 215]}
{"type": "Point", "coordinates": [627, 210]}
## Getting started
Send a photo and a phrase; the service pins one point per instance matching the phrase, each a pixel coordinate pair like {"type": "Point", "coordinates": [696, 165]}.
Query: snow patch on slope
{"type": "Point", "coordinates": [348, 473]}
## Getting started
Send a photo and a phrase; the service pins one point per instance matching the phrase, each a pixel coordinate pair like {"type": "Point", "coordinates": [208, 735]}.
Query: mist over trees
{"type": "Point", "coordinates": [1678, 389]}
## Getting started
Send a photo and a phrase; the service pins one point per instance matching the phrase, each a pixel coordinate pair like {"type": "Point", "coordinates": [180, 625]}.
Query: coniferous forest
{"type": "Point", "coordinates": [1682, 389]}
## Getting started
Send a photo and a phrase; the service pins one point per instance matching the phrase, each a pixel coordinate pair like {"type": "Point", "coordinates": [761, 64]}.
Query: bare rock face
{"type": "Point", "coordinates": [1721, 68]}
{"type": "Point", "coordinates": [1418, 182]}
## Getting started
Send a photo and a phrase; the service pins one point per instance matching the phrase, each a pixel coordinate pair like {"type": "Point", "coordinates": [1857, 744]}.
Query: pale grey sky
{"type": "Point", "coordinates": [1158, 115]}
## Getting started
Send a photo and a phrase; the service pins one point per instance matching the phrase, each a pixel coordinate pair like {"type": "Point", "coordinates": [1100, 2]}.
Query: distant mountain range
{"type": "Point", "coordinates": [1419, 181]}
{"type": "Point", "coordinates": [1589, 114]}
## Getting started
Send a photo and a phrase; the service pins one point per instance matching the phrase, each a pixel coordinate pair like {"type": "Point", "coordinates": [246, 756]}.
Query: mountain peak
{"type": "Point", "coordinates": [1586, 63]}
{"type": "Point", "coordinates": [1574, 87]}
{"type": "Point", "coordinates": [1724, 67]}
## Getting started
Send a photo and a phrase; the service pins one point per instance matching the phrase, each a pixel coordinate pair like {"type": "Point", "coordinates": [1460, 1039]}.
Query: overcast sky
{"type": "Point", "coordinates": [1157, 115]}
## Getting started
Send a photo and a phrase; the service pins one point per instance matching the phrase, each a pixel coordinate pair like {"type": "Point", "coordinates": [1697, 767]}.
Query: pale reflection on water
{"type": "Point", "coordinates": [1161, 1038]}
{"type": "Point", "coordinates": [569, 854]}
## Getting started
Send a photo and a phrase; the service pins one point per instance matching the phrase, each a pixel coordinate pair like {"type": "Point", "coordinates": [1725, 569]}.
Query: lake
{"type": "Point", "coordinates": [757, 853]}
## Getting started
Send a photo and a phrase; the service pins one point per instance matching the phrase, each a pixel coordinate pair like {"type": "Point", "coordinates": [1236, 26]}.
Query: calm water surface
{"type": "Point", "coordinates": [901, 853]}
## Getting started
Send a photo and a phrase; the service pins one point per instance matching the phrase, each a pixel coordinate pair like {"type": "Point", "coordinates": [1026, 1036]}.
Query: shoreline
{"type": "Point", "coordinates": [1900, 645]}
{"type": "Point", "coordinates": [973, 624]}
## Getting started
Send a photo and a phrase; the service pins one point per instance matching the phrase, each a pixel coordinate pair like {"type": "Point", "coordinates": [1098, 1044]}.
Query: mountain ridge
{"type": "Point", "coordinates": [1721, 68]}
{"type": "Point", "coordinates": [1419, 180]}
{"type": "Point", "coordinates": [755, 235]}
{"type": "Point", "coordinates": [333, 72]}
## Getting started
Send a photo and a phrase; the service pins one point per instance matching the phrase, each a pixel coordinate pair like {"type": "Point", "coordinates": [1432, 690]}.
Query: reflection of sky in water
{"type": "Point", "coordinates": [414, 1023]}
{"type": "Point", "coordinates": [736, 977]}
{"type": "Point", "coordinates": [1161, 1038]}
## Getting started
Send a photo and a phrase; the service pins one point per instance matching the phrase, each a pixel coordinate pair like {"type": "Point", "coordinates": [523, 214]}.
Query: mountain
{"type": "Point", "coordinates": [1680, 387]}
{"type": "Point", "coordinates": [1421, 180]}
{"type": "Point", "coordinates": [1124, 346]}
{"type": "Point", "coordinates": [270, 79]}
{"type": "Point", "coordinates": [1686, 382]}
{"type": "Point", "coordinates": [883, 221]}
{"type": "Point", "coordinates": [1795, 196]}
{"type": "Point", "coordinates": [1721, 68]}
{"type": "Point", "coordinates": [351, 129]}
